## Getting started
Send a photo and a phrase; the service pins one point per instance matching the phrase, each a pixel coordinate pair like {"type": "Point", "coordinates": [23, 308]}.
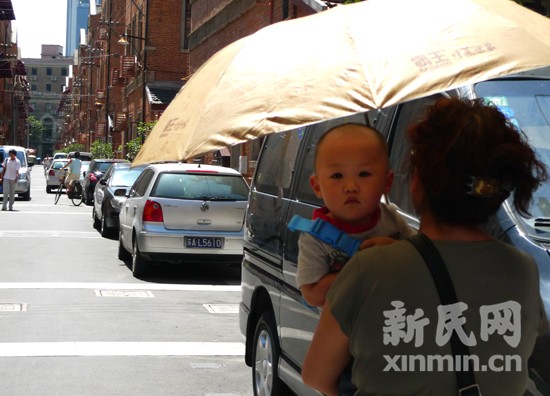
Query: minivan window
{"type": "Point", "coordinates": [526, 103]}
{"type": "Point", "coordinates": [409, 112]}
{"type": "Point", "coordinates": [274, 173]}
{"type": "Point", "coordinates": [200, 186]}
{"type": "Point", "coordinates": [304, 192]}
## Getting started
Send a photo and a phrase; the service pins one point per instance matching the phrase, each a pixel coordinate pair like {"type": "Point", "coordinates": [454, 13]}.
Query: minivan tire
{"type": "Point", "coordinates": [265, 358]}
{"type": "Point", "coordinates": [27, 196]}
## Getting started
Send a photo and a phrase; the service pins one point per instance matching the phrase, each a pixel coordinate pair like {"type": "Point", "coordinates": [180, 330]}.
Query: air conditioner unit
{"type": "Point", "coordinates": [33, 78]}
{"type": "Point", "coordinates": [54, 78]}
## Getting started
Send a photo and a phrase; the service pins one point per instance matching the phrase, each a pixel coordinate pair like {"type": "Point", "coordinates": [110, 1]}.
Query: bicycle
{"type": "Point", "coordinates": [74, 193]}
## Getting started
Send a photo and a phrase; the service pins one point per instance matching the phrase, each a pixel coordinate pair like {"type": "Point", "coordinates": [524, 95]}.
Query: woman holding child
{"type": "Point", "coordinates": [384, 310]}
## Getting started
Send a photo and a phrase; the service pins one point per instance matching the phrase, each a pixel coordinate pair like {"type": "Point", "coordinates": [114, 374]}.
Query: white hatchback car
{"type": "Point", "coordinates": [178, 212]}
{"type": "Point", "coordinates": [54, 174]}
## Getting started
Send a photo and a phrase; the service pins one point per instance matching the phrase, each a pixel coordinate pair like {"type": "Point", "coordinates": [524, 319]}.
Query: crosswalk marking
{"type": "Point", "coordinates": [118, 286]}
{"type": "Point", "coordinates": [78, 348]}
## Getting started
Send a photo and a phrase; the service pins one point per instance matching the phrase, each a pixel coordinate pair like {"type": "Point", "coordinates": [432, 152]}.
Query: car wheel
{"type": "Point", "coordinates": [123, 254]}
{"type": "Point", "coordinates": [266, 352]}
{"type": "Point", "coordinates": [105, 231]}
{"type": "Point", "coordinates": [27, 195]}
{"type": "Point", "coordinates": [140, 265]}
{"type": "Point", "coordinates": [48, 189]}
{"type": "Point", "coordinates": [89, 198]}
{"type": "Point", "coordinates": [96, 221]}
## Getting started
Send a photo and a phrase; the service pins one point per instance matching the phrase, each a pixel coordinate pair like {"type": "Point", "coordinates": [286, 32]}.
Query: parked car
{"type": "Point", "coordinates": [107, 205]}
{"type": "Point", "coordinates": [84, 156]}
{"type": "Point", "coordinates": [23, 187]}
{"type": "Point", "coordinates": [60, 155]}
{"type": "Point", "coordinates": [54, 174]}
{"type": "Point", "coordinates": [277, 326]}
{"type": "Point", "coordinates": [183, 212]}
{"type": "Point", "coordinates": [96, 169]}
{"type": "Point", "coordinates": [83, 169]}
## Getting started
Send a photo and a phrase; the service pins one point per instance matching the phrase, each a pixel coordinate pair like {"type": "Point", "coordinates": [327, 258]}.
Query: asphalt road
{"type": "Point", "coordinates": [74, 321]}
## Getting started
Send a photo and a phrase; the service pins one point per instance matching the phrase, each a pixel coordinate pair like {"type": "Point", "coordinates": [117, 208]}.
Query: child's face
{"type": "Point", "coordinates": [351, 173]}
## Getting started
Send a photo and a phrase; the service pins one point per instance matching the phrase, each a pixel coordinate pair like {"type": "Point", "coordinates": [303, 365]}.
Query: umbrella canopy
{"type": "Point", "coordinates": [346, 60]}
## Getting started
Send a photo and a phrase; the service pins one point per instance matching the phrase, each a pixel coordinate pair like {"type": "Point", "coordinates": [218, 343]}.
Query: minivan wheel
{"type": "Point", "coordinates": [265, 380]}
{"type": "Point", "coordinates": [140, 265]}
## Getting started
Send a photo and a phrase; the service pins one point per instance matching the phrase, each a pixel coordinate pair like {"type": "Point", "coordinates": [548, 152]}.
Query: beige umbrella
{"type": "Point", "coordinates": [346, 60]}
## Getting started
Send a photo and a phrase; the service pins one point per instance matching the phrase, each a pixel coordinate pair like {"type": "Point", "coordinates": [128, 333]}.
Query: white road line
{"type": "Point", "coordinates": [17, 211]}
{"type": "Point", "coordinates": [117, 286]}
{"type": "Point", "coordinates": [77, 348]}
{"type": "Point", "coordinates": [48, 234]}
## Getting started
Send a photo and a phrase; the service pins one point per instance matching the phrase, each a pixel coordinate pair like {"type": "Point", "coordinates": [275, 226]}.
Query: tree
{"type": "Point", "coordinates": [134, 145]}
{"type": "Point", "coordinates": [73, 147]}
{"type": "Point", "coordinates": [36, 131]}
{"type": "Point", "coordinates": [102, 150]}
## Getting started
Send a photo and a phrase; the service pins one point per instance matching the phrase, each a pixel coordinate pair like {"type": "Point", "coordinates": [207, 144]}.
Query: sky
{"type": "Point", "coordinates": [39, 22]}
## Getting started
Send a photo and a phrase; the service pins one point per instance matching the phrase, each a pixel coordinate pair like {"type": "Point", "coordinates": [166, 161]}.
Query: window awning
{"type": "Point", "coordinates": [162, 93]}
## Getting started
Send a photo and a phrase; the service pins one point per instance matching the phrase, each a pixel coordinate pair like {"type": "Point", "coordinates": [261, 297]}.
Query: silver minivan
{"type": "Point", "coordinates": [277, 326]}
{"type": "Point", "coordinates": [23, 187]}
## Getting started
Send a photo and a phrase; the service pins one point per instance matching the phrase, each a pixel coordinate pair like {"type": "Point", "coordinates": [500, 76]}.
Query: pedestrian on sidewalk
{"type": "Point", "coordinates": [9, 177]}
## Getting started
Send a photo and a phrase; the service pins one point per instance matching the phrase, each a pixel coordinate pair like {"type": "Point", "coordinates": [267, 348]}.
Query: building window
{"type": "Point", "coordinates": [33, 87]}
{"type": "Point", "coordinates": [48, 87]}
{"type": "Point", "coordinates": [49, 71]}
{"type": "Point", "coordinates": [64, 71]}
{"type": "Point", "coordinates": [34, 71]}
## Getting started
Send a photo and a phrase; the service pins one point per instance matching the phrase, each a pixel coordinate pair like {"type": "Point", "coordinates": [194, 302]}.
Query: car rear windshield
{"type": "Point", "coordinates": [201, 186]}
{"type": "Point", "coordinates": [58, 164]}
{"type": "Point", "coordinates": [103, 166]}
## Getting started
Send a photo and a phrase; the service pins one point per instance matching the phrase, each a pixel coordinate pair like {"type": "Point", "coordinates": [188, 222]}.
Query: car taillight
{"type": "Point", "coordinates": [92, 178]}
{"type": "Point", "coordinates": [152, 212]}
{"type": "Point", "coordinates": [51, 172]}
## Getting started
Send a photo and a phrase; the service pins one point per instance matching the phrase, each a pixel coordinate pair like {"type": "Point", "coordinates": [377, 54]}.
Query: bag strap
{"type": "Point", "coordinates": [467, 385]}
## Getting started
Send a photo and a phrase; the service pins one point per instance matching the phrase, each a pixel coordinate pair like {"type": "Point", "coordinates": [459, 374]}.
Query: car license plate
{"type": "Point", "coordinates": [204, 242]}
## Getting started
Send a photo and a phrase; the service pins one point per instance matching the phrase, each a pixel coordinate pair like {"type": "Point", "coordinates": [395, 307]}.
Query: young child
{"type": "Point", "coordinates": [351, 173]}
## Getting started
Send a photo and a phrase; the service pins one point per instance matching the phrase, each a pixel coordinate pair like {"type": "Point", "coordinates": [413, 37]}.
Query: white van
{"type": "Point", "coordinates": [23, 187]}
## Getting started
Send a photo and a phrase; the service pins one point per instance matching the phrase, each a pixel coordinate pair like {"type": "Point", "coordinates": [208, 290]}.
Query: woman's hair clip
{"type": "Point", "coordinates": [483, 187]}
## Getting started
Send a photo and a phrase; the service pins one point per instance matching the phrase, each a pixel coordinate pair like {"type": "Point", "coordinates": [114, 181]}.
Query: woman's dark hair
{"type": "Point", "coordinates": [469, 158]}
{"type": "Point", "coordinates": [77, 154]}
